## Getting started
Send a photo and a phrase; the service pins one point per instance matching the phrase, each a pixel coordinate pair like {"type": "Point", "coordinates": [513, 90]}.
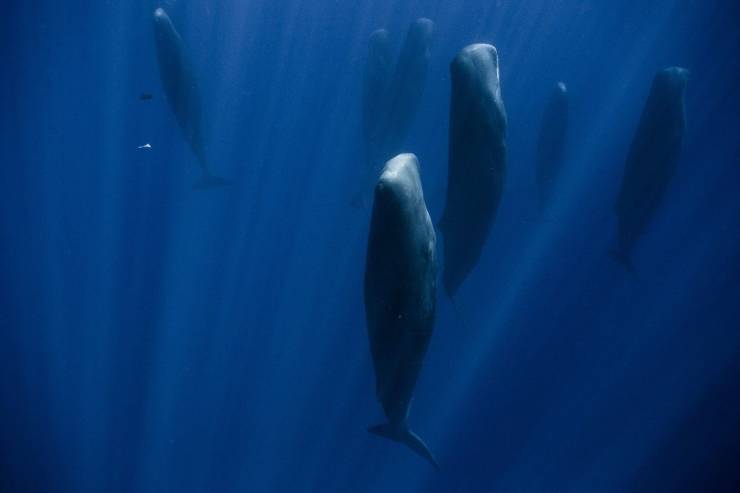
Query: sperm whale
{"type": "Point", "coordinates": [652, 159]}
{"type": "Point", "coordinates": [477, 161]}
{"type": "Point", "coordinates": [400, 294]}
{"type": "Point", "coordinates": [181, 88]}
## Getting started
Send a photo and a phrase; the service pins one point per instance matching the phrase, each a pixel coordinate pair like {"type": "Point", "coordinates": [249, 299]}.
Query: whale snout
{"type": "Point", "coordinates": [423, 30]}
{"type": "Point", "coordinates": [160, 17]}
{"type": "Point", "coordinates": [675, 74]}
{"type": "Point", "coordinates": [684, 74]}
{"type": "Point", "coordinates": [163, 27]}
{"type": "Point", "coordinates": [673, 80]}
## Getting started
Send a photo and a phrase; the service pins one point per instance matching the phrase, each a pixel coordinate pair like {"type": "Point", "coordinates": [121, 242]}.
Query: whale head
{"type": "Point", "coordinates": [475, 74]}
{"type": "Point", "coordinates": [165, 34]}
{"type": "Point", "coordinates": [423, 28]}
{"type": "Point", "coordinates": [476, 66]}
{"type": "Point", "coordinates": [420, 32]}
{"type": "Point", "coordinates": [378, 44]}
{"type": "Point", "coordinates": [161, 20]}
{"type": "Point", "coordinates": [160, 15]}
{"type": "Point", "coordinates": [672, 81]}
{"type": "Point", "coordinates": [399, 183]}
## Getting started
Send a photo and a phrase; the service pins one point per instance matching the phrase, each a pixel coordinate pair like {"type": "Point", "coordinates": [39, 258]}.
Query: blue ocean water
{"type": "Point", "coordinates": [154, 338]}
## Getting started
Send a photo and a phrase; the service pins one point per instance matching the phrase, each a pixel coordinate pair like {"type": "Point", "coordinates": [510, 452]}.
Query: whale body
{"type": "Point", "coordinates": [652, 159]}
{"type": "Point", "coordinates": [392, 92]}
{"type": "Point", "coordinates": [181, 88]}
{"type": "Point", "coordinates": [391, 95]}
{"type": "Point", "coordinates": [551, 144]}
{"type": "Point", "coordinates": [407, 85]}
{"type": "Point", "coordinates": [378, 73]}
{"type": "Point", "coordinates": [477, 161]}
{"type": "Point", "coordinates": [400, 294]}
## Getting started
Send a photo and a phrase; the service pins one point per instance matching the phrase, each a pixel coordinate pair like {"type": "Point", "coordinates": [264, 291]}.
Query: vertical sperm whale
{"type": "Point", "coordinates": [392, 92]}
{"type": "Point", "coordinates": [477, 161]}
{"type": "Point", "coordinates": [400, 294]}
{"type": "Point", "coordinates": [407, 86]}
{"type": "Point", "coordinates": [377, 77]}
{"type": "Point", "coordinates": [181, 88]}
{"type": "Point", "coordinates": [391, 95]}
{"type": "Point", "coordinates": [652, 159]}
{"type": "Point", "coordinates": [551, 144]}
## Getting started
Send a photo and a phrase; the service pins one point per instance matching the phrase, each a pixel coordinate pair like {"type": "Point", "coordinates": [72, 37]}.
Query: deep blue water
{"type": "Point", "coordinates": [159, 339]}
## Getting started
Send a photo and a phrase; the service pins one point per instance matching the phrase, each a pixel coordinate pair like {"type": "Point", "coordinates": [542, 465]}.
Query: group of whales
{"type": "Point", "coordinates": [400, 286]}
{"type": "Point", "coordinates": [401, 265]}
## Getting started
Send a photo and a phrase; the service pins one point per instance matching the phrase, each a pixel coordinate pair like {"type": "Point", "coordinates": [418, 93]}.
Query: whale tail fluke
{"type": "Point", "coordinates": [406, 436]}
{"type": "Point", "coordinates": [623, 259]}
{"type": "Point", "coordinates": [209, 181]}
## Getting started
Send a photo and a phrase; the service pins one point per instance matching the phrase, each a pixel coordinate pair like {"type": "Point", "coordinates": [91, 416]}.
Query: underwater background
{"type": "Point", "coordinates": [154, 338]}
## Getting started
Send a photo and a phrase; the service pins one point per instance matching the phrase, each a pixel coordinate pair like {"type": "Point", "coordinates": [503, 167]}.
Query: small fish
{"type": "Point", "coordinates": [145, 146]}
{"type": "Point", "coordinates": [145, 96]}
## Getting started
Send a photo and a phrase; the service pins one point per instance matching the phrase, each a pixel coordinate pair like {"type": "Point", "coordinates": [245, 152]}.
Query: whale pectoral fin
{"type": "Point", "coordinates": [408, 437]}
{"type": "Point", "coordinates": [210, 181]}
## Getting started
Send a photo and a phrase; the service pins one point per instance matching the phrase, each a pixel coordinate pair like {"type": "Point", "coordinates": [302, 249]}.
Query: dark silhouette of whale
{"type": "Point", "coordinates": [477, 161]}
{"type": "Point", "coordinates": [407, 86]}
{"type": "Point", "coordinates": [377, 77]}
{"type": "Point", "coordinates": [652, 159]}
{"type": "Point", "coordinates": [181, 88]}
{"type": "Point", "coordinates": [400, 294]}
{"type": "Point", "coordinates": [392, 93]}
{"type": "Point", "coordinates": [551, 144]}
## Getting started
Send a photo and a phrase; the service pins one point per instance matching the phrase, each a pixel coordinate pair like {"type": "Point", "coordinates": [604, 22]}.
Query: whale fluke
{"type": "Point", "coordinates": [623, 258]}
{"type": "Point", "coordinates": [406, 436]}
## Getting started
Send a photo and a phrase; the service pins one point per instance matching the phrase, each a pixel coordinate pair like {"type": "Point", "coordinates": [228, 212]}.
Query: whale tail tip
{"type": "Point", "coordinates": [406, 436]}
{"type": "Point", "coordinates": [209, 181]}
{"type": "Point", "coordinates": [623, 259]}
